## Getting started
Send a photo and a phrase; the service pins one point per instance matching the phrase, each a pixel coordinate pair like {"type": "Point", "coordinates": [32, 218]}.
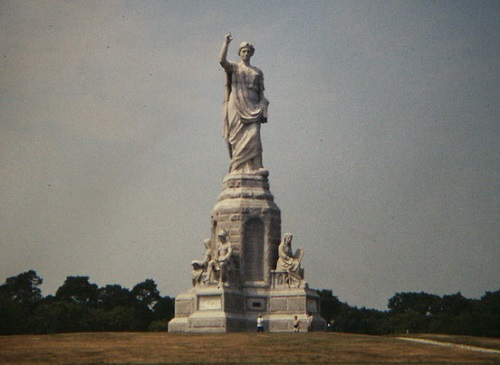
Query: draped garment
{"type": "Point", "coordinates": [244, 110]}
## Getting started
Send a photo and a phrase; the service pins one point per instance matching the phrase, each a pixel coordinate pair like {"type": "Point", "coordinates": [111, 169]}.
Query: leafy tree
{"type": "Point", "coordinates": [121, 318]}
{"type": "Point", "coordinates": [330, 306]}
{"type": "Point", "coordinates": [56, 316]}
{"type": "Point", "coordinates": [412, 312]}
{"type": "Point", "coordinates": [490, 302]}
{"type": "Point", "coordinates": [410, 321]}
{"type": "Point", "coordinates": [19, 296]}
{"type": "Point", "coordinates": [23, 288]}
{"type": "Point", "coordinates": [422, 303]}
{"type": "Point", "coordinates": [164, 309]}
{"type": "Point", "coordinates": [456, 304]}
{"type": "Point", "coordinates": [489, 307]}
{"type": "Point", "coordinates": [455, 316]}
{"type": "Point", "coordinates": [146, 292]}
{"type": "Point", "coordinates": [112, 296]}
{"type": "Point", "coordinates": [123, 310]}
{"type": "Point", "coordinates": [366, 321]}
{"type": "Point", "coordinates": [13, 317]}
{"type": "Point", "coordinates": [78, 289]}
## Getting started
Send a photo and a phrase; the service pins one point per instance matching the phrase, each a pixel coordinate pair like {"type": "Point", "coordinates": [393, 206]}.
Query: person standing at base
{"type": "Point", "coordinates": [260, 324]}
{"type": "Point", "coordinates": [296, 324]}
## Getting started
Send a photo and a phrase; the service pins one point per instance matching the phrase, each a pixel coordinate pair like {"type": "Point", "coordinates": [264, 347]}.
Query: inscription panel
{"type": "Point", "coordinates": [296, 304]}
{"type": "Point", "coordinates": [278, 304]}
{"type": "Point", "coordinates": [209, 302]}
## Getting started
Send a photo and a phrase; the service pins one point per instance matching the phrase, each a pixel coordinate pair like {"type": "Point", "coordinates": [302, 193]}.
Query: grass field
{"type": "Point", "coordinates": [236, 348]}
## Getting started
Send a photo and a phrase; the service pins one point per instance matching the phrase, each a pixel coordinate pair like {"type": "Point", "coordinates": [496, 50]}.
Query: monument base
{"type": "Point", "coordinates": [246, 218]}
{"type": "Point", "coordinates": [224, 309]}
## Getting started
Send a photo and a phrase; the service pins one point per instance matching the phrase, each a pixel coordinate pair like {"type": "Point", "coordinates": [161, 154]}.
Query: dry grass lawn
{"type": "Point", "coordinates": [235, 348]}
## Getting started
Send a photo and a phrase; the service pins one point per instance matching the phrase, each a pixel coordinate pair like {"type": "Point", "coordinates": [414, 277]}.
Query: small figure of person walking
{"type": "Point", "coordinates": [260, 324]}
{"type": "Point", "coordinates": [296, 324]}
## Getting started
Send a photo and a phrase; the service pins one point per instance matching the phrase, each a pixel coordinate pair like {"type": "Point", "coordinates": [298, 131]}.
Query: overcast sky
{"type": "Point", "coordinates": [383, 141]}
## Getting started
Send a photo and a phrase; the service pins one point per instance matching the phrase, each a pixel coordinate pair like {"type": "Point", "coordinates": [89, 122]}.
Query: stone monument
{"type": "Point", "coordinates": [247, 269]}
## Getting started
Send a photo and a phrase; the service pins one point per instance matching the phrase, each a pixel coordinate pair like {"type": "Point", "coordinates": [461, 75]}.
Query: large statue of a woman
{"type": "Point", "coordinates": [245, 108]}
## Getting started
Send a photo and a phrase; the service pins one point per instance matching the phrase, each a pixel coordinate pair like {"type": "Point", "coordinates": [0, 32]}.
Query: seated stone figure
{"type": "Point", "coordinates": [224, 253]}
{"type": "Point", "coordinates": [197, 271]}
{"type": "Point", "coordinates": [215, 266]}
{"type": "Point", "coordinates": [290, 262]}
{"type": "Point", "coordinates": [203, 267]}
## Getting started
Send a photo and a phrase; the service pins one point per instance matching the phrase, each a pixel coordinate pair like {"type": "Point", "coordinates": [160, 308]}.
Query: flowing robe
{"type": "Point", "coordinates": [287, 261]}
{"type": "Point", "coordinates": [244, 109]}
{"type": "Point", "coordinates": [290, 263]}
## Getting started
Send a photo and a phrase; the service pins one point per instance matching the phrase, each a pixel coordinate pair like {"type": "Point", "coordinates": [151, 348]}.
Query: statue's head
{"type": "Point", "coordinates": [287, 238]}
{"type": "Point", "coordinates": [246, 45]}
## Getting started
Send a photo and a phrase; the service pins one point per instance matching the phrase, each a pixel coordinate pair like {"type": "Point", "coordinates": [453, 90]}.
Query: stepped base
{"type": "Point", "coordinates": [221, 310]}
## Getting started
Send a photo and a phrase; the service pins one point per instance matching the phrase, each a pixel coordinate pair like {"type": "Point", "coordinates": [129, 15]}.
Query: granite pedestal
{"type": "Point", "coordinates": [252, 286]}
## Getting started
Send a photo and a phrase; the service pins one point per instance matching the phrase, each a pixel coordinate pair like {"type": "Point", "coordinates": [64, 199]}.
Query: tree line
{"type": "Point", "coordinates": [410, 312]}
{"type": "Point", "coordinates": [81, 306]}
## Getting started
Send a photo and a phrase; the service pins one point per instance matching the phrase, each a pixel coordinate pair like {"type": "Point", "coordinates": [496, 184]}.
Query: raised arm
{"type": "Point", "coordinates": [223, 52]}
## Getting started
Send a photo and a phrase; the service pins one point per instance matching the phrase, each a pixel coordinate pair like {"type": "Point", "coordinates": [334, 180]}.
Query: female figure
{"type": "Point", "coordinates": [289, 262]}
{"type": "Point", "coordinates": [245, 108]}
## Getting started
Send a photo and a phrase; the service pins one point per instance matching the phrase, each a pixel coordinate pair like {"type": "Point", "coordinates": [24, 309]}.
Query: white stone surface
{"type": "Point", "coordinates": [238, 278]}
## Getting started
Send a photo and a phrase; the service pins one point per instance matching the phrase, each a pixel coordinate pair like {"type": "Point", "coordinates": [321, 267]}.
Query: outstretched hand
{"type": "Point", "coordinates": [228, 38]}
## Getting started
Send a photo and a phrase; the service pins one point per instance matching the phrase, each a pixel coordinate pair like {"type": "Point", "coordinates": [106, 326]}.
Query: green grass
{"type": "Point", "coordinates": [237, 348]}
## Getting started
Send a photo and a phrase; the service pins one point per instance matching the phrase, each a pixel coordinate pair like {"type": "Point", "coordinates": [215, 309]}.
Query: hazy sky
{"type": "Point", "coordinates": [383, 141]}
